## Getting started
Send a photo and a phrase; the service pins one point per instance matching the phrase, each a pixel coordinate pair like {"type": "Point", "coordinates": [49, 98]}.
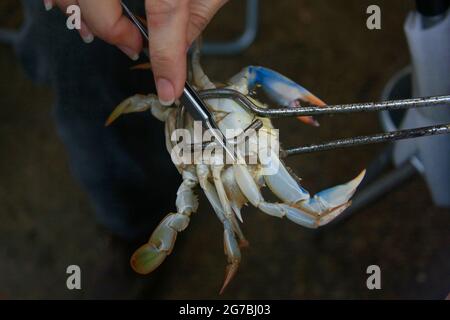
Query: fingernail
{"type": "Point", "coordinates": [166, 92]}
{"type": "Point", "coordinates": [130, 53]}
{"type": "Point", "coordinates": [48, 4]}
{"type": "Point", "coordinates": [86, 33]}
{"type": "Point", "coordinates": [88, 38]}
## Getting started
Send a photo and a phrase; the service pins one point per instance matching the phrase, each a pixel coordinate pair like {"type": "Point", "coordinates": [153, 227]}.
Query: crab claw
{"type": "Point", "coordinates": [329, 203]}
{"type": "Point", "coordinates": [283, 90]}
{"type": "Point", "coordinates": [310, 99]}
{"type": "Point", "coordinates": [150, 256]}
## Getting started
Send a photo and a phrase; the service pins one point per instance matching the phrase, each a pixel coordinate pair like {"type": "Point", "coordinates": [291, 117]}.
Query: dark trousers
{"type": "Point", "coordinates": [124, 168]}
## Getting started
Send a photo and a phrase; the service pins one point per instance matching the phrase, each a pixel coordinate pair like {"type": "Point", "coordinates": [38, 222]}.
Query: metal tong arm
{"type": "Point", "coordinates": [329, 110]}
{"type": "Point", "coordinates": [341, 109]}
{"type": "Point", "coordinates": [371, 139]}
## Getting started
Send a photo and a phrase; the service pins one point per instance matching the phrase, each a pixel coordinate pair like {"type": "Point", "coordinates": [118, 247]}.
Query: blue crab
{"type": "Point", "coordinates": [229, 187]}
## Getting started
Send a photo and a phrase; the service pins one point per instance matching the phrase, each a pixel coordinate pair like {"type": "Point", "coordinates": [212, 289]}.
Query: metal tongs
{"type": "Point", "coordinates": [194, 104]}
{"type": "Point", "coordinates": [438, 101]}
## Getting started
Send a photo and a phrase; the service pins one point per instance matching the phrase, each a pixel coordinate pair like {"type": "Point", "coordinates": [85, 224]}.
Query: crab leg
{"type": "Point", "coordinates": [231, 246]}
{"type": "Point", "coordinates": [329, 203]}
{"type": "Point", "coordinates": [200, 77]}
{"type": "Point", "coordinates": [279, 88]}
{"type": "Point", "coordinates": [234, 194]}
{"type": "Point", "coordinates": [142, 66]}
{"type": "Point", "coordinates": [282, 183]}
{"type": "Point", "coordinates": [326, 205]}
{"type": "Point", "coordinates": [226, 205]}
{"type": "Point", "coordinates": [203, 174]}
{"type": "Point", "coordinates": [149, 256]}
{"type": "Point", "coordinates": [140, 103]}
{"type": "Point", "coordinates": [310, 213]}
{"type": "Point", "coordinates": [232, 252]}
{"type": "Point", "coordinates": [250, 189]}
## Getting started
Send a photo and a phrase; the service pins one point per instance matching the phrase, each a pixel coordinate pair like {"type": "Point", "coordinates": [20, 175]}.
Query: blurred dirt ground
{"type": "Point", "coordinates": [46, 222]}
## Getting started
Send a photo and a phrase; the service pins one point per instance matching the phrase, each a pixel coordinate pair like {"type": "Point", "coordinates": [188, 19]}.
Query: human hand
{"type": "Point", "coordinates": [173, 26]}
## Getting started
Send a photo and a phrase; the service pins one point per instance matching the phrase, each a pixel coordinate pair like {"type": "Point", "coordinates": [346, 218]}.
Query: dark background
{"type": "Point", "coordinates": [46, 222]}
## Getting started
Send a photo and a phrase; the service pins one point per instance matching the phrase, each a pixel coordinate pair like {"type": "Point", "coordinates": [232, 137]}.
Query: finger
{"type": "Point", "coordinates": [201, 13]}
{"type": "Point", "coordinates": [167, 22]}
{"type": "Point", "coordinates": [106, 20]}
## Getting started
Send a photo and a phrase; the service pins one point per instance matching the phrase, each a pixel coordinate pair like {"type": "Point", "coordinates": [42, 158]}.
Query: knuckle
{"type": "Point", "coordinates": [198, 21]}
{"type": "Point", "coordinates": [162, 59]}
{"type": "Point", "coordinates": [162, 6]}
{"type": "Point", "coordinates": [110, 33]}
{"type": "Point", "coordinates": [158, 11]}
{"type": "Point", "coordinates": [113, 32]}
{"type": "Point", "coordinates": [109, 29]}
{"type": "Point", "coordinates": [202, 12]}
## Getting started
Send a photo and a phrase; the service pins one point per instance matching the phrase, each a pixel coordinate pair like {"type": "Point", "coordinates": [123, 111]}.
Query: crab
{"type": "Point", "coordinates": [229, 187]}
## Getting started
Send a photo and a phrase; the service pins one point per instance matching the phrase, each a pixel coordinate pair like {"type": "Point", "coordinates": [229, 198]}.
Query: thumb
{"type": "Point", "coordinates": [167, 22]}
